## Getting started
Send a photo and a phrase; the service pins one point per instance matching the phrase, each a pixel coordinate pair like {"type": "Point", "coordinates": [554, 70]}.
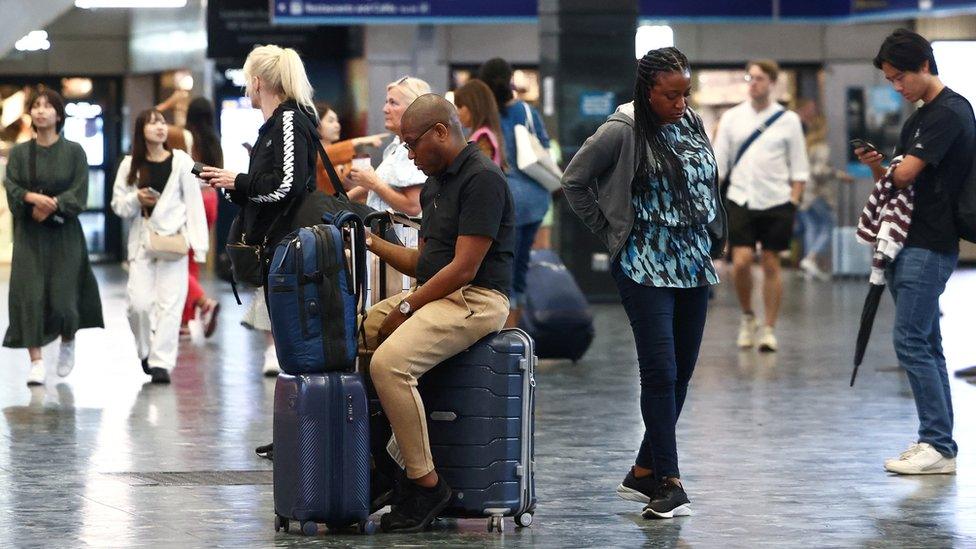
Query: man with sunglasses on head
{"type": "Point", "coordinates": [762, 157]}
{"type": "Point", "coordinates": [463, 267]}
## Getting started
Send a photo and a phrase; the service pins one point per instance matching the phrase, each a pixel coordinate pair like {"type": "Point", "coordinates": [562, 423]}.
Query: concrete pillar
{"type": "Point", "coordinates": [587, 65]}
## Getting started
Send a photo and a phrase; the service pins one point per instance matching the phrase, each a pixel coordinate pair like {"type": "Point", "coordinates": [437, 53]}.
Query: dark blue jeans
{"type": "Point", "coordinates": [916, 279]}
{"type": "Point", "coordinates": [524, 238]}
{"type": "Point", "coordinates": [668, 325]}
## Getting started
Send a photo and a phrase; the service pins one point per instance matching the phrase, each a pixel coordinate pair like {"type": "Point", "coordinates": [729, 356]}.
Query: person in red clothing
{"type": "Point", "coordinates": [199, 139]}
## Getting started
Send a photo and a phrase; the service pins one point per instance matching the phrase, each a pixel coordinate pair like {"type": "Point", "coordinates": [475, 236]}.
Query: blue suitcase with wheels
{"type": "Point", "coordinates": [556, 313]}
{"type": "Point", "coordinates": [321, 452]}
{"type": "Point", "coordinates": [480, 409]}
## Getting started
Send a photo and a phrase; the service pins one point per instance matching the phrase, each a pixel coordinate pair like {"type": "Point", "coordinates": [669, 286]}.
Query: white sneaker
{"type": "Point", "coordinates": [767, 340]}
{"type": "Point", "coordinates": [271, 368]}
{"type": "Point", "coordinates": [37, 373]}
{"type": "Point", "coordinates": [66, 358]}
{"type": "Point", "coordinates": [912, 448]}
{"type": "Point", "coordinates": [924, 460]}
{"type": "Point", "coordinates": [810, 268]}
{"type": "Point", "coordinates": [747, 332]}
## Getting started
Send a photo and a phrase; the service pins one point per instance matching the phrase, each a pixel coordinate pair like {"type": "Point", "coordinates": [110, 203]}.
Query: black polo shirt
{"type": "Point", "coordinates": [470, 197]}
{"type": "Point", "coordinates": [943, 134]}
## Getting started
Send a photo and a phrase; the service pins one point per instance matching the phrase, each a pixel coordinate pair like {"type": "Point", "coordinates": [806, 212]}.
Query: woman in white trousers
{"type": "Point", "coordinates": [155, 190]}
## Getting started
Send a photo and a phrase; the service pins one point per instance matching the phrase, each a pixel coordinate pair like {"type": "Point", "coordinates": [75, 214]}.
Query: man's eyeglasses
{"type": "Point", "coordinates": [411, 146]}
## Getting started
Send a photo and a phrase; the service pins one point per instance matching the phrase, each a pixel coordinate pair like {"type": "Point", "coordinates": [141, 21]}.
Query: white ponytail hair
{"type": "Point", "coordinates": [283, 70]}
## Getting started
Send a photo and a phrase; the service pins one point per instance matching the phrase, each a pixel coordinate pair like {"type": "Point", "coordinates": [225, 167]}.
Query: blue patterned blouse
{"type": "Point", "coordinates": [665, 249]}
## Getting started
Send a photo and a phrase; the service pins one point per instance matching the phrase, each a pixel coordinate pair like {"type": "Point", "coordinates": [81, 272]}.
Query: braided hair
{"type": "Point", "coordinates": [662, 162]}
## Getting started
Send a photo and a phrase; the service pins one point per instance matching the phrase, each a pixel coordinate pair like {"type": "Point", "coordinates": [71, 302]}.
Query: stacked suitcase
{"type": "Point", "coordinates": [480, 409]}
{"type": "Point", "coordinates": [321, 414]}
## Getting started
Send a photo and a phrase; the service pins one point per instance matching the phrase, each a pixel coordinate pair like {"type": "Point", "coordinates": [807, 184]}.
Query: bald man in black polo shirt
{"type": "Point", "coordinates": [463, 268]}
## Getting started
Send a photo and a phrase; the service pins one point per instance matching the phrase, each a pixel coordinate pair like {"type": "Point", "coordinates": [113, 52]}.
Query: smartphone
{"type": "Point", "coordinates": [858, 143]}
{"type": "Point", "coordinates": [197, 168]}
{"type": "Point", "coordinates": [154, 192]}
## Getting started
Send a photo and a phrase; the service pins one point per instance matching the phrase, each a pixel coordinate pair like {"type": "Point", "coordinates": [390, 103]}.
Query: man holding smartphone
{"type": "Point", "coordinates": [937, 144]}
{"type": "Point", "coordinates": [762, 154]}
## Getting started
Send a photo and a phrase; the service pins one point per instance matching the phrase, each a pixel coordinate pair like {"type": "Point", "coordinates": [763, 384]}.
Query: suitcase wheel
{"type": "Point", "coordinates": [523, 520]}
{"type": "Point", "coordinates": [309, 528]}
{"type": "Point", "coordinates": [281, 523]}
{"type": "Point", "coordinates": [367, 527]}
{"type": "Point", "coordinates": [496, 522]}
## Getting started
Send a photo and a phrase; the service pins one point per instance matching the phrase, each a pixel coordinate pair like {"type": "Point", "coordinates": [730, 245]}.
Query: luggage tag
{"type": "Point", "coordinates": [393, 449]}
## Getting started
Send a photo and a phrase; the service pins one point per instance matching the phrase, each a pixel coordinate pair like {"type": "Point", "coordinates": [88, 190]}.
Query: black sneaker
{"type": "Point", "coordinates": [266, 451]}
{"type": "Point", "coordinates": [419, 507]}
{"type": "Point", "coordinates": [145, 366]}
{"type": "Point", "coordinates": [637, 489]}
{"type": "Point", "coordinates": [159, 375]}
{"type": "Point", "coordinates": [966, 372]}
{"type": "Point", "coordinates": [668, 501]}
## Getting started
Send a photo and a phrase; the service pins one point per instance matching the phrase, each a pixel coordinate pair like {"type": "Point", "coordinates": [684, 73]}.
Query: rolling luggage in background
{"type": "Point", "coordinates": [321, 452]}
{"type": "Point", "coordinates": [848, 256]}
{"type": "Point", "coordinates": [555, 313]}
{"type": "Point", "coordinates": [315, 293]}
{"type": "Point", "coordinates": [480, 409]}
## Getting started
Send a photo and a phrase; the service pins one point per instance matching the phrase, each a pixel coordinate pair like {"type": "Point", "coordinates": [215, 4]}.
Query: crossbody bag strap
{"type": "Point", "coordinates": [529, 123]}
{"type": "Point", "coordinates": [754, 136]}
{"type": "Point", "coordinates": [33, 165]}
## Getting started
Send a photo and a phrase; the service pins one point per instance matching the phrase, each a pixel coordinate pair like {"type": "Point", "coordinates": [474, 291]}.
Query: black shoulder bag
{"type": "Point", "coordinates": [745, 146]}
{"type": "Point", "coordinates": [56, 219]}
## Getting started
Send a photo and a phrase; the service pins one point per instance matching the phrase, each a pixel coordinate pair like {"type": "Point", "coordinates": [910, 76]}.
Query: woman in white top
{"type": "Point", "coordinates": [155, 190]}
{"type": "Point", "coordinates": [397, 182]}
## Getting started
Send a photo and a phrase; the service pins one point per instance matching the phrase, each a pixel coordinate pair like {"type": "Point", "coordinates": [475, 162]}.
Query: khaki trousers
{"type": "Point", "coordinates": [435, 332]}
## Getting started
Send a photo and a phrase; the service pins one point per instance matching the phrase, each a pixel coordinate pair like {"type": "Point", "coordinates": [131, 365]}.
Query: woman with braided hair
{"type": "Point", "coordinates": [656, 208]}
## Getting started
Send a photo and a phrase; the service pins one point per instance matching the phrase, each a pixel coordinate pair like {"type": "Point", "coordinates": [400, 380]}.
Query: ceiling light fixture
{"type": "Point", "coordinates": [33, 41]}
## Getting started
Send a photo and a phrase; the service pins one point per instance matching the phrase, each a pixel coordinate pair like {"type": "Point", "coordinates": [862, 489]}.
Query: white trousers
{"type": "Point", "coordinates": [155, 294]}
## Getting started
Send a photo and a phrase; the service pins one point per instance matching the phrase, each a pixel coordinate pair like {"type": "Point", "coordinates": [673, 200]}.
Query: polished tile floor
{"type": "Point", "coordinates": [776, 450]}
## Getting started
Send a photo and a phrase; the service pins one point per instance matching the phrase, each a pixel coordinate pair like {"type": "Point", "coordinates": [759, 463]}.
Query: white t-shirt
{"type": "Point", "coordinates": [396, 170]}
{"type": "Point", "coordinates": [762, 178]}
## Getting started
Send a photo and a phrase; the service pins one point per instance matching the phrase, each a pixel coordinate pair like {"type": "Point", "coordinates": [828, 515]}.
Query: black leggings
{"type": "Point", "coordinates": [668, 325]}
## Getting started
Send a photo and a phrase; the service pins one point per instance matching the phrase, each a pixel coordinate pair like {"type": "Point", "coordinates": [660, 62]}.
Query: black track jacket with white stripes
{"type": "Point", "coordinates": [282, 161]}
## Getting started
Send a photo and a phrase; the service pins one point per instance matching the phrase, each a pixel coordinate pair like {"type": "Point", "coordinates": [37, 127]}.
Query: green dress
{"type": "Point", "coordinates": [53, 291]}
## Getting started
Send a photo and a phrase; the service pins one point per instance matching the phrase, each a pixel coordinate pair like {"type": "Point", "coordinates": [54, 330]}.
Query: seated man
{"type": "Point", "coordinates": [463, 268]}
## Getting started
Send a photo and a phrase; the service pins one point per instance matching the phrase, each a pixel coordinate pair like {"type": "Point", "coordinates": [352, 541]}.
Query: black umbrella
{"type": "Point", "coordinates": [867, 322]}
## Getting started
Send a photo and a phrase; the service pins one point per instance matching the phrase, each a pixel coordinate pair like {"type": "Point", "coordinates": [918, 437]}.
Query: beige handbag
{"type": "Point", "coordinates": [165, 247]}
{"type": "Point", "coordinates": [168, 247]}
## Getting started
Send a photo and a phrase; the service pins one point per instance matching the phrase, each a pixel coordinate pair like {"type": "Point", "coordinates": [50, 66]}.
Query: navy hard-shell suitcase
{"type": "Point", "coordinates": [321, 452]}
{"type": "Point", "coordinates": [480, 418]}
{"type": "Point", "coordinates": [315, 293]}
{"type": "Point", "coordinates": [556, 313]}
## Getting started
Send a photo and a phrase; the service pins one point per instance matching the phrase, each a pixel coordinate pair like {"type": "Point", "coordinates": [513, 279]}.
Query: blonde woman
{"type": "Point", "coordinates": [396, 182]}
{"type": "Point", "coordinates": [282, 168]}
{"type": "Point", "coordinates": [156, 191]}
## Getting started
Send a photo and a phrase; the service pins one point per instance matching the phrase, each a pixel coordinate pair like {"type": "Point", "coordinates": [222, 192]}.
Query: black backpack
{"type": "Point", "coordinates": [966, 206]}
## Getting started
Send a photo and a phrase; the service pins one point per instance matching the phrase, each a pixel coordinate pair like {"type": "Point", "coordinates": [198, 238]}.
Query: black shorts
{"type": "Point", "coordinates": [773, 228]}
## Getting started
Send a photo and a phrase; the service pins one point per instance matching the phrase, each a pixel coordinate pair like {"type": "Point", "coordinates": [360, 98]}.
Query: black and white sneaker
{"type": "Point", "coordinates": [266, 451]}
{"type": "Point", "coordinates": [637, 489]}
{"type": "Point", "coordinates": [418, 508]}
{"type": "Point", "coordinates": [669, 501]}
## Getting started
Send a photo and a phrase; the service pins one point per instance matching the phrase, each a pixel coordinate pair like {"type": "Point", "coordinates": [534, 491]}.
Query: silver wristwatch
{"type": "Point", "coordinates": [405, 308]}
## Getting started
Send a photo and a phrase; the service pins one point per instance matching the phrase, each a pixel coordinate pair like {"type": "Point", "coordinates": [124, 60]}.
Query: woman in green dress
{"type": "Point", "coordinates": [53, 292]}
